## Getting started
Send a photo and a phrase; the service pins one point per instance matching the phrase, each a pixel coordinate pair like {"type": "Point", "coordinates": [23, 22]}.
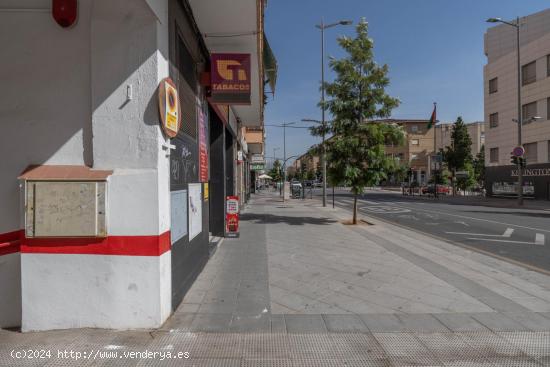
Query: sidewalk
{"type": "Point", "coordinates": [298, 288]}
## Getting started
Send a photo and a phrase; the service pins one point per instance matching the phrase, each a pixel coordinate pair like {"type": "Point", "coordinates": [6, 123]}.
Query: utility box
{"type": "Point", "coordinates": [67, 207]}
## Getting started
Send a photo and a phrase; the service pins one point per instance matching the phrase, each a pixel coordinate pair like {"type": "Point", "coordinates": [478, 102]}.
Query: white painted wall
{"type": "Point", "coordinates": [114, 292]}
{"type": "Point", "coordinates": [10, 290]}
{"type": "Point", "coordinates": [44, 99]}
{"type": "Point", "coordinates": [64, 101]}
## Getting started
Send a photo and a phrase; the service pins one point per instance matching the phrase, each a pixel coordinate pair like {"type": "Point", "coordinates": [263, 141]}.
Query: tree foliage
{"type": "Point", "coordinates": [357, 96]}
{"type": "Point", "coordinates": [275, 172]}
{"type": "Point", "coordinates": [458, 157]}
{"type": "Point", "coordinates": [479, 167]}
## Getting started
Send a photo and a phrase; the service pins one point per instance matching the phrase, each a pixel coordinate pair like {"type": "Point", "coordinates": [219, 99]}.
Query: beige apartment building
{"type": "Point", "coordinates": [500, 92]}
{"type": "Point", "coordinates": [476, 130]}
{"type": "Point", "coordinates": [306, 162]}
{"type": "Point", "coordinates": [418, 147]}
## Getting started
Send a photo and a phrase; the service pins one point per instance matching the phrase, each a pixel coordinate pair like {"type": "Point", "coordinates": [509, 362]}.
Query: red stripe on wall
{"type": "Point", "coordinates": [112, 245]}
{"type": "Point", "coordinates": [10, 242]}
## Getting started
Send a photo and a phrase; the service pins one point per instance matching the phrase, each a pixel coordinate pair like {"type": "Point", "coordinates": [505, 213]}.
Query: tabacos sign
{"type": "Point", "coordinates": [230, 78]}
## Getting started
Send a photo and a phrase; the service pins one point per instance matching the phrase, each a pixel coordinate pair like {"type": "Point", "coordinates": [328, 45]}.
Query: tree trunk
{"type": "Point", "coordinates": [354, 209]}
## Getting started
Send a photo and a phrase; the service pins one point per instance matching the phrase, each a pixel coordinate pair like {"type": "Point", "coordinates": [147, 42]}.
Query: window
{"type": "Point", "coordinates": [414, 142]}
{"type": "Point", "coordinates": [493, 120]}
{"type": "Point", "coordinates": [548, 108]}
{"type": "Point", "coordinates": [529, 111]}
{"type": "Point", "coordinates": [414, 128]}
{"type": "Point", "coordinates": [530, 152]}
{"type": "Point", "coordinates": [548, 65]}
{"type": "Point", "coordinates": [493, 155]}
{"type": "Point", "coordinates": [493, 85]}
{"type": "Point", "coordinates": [548, 158]}
{"type": "Point", "coordinates": [529, 73]}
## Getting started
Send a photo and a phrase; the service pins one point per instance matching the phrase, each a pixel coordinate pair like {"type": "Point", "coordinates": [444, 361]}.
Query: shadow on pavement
{"type": "Point", "coordinates": [293, 221]}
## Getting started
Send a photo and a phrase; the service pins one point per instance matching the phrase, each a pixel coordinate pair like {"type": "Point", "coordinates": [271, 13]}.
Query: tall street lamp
{"type": "Point", "coordinates": [322, 27]}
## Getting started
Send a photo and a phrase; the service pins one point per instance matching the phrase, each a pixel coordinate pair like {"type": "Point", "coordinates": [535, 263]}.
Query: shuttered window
{"type": "Point", "coordinates": [529, 73]}
{"type": "Point", "coordinates": [493, 85]}
{"type": "Point", "coordinates": [493, 120]}
{"type": "Point", "coordinates": [531, 153]}
{"type": "Point", "coordinates": [493, 155]}
{"type": "Point", "coordinates": [529, 111]}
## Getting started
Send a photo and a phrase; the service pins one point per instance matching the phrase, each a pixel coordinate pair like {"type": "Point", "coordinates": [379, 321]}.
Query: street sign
{"type": "Point", "coordinates": [518, 151]}
{"type": "Point", "coordinates": [257, 166]}
{"type": "Point", "coordinates": [462, 174]}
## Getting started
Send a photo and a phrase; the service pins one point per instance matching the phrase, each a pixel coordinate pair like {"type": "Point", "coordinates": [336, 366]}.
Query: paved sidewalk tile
{"type": "Point", "coordinates": [460, 322]}
{"type": "Point", "coordinates": [344, 323]}
{"type": "Point", "coordinates": [305, 324]}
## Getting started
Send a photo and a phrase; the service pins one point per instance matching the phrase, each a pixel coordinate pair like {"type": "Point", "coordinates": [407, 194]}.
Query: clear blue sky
{"type": "Point", "coordinates": [434, 49]}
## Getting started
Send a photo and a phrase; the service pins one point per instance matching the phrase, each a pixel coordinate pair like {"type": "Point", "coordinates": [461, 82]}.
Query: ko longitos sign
{"type": "Point", "coordinates": [230, 78]}
{"type": "Point", "coordinates": [169, 107]}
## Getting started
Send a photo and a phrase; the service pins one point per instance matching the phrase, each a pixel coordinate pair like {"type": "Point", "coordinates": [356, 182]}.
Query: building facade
{"type": "Point", "coordinates": [417, 150]}
{"type": "Point", "coordinates": [476, 130]}
{"type": "Point", "coordinates": [105, 218]}
{"type": "Point", "coordinates": [500, 91]}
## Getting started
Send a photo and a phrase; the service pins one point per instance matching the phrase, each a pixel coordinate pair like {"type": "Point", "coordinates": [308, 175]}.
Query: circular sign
{"type": "Point", "coordinates": [169, 107]}
{"type": "Point", "coordinates": [518, 151]}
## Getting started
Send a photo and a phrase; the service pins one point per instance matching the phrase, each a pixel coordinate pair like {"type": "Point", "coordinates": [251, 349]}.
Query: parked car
{"type": "Point", "coordinates": [441, 190]}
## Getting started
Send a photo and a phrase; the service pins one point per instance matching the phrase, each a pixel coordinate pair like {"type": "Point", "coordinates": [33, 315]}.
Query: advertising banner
{"type": "Point", "coordinates": [232, 216]}
{"type": "Point", "coordinates": [230, 78]}
{"type": "Point", "coordinates": [203, 149]}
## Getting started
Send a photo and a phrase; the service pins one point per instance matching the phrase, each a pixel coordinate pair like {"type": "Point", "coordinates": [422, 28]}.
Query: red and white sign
{"type": "Point", "coordinates": [230, 78]}
{"type": "Point", "coordinates": [203, 149]}
{"type": "Point", "coordinates": [232, 216]}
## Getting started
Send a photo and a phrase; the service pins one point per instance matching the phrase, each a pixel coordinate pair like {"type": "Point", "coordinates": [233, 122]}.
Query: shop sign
{"type": "Point", "coordinates": [257, 166]}
{"type": "Point", "coordinates": [169, 107]}
{"type": "Point", "coordinates": [230, 78]}
{"type": "Point", "coordinates": [232, 216]}
{"type": "Point", "coordinates": [240, 156]}
{"type": "Point", "coordinates": [203, 149]}
{"type": "Point", "coordinates": [257, 158]}
{"type": "Point", "coordinates": [532, 172]}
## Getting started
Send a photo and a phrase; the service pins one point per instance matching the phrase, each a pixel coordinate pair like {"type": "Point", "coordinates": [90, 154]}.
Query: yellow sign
{"type": "Point", "coordinates": [171, 100]}
{"type": "Point", "coordinates": [205, 191]}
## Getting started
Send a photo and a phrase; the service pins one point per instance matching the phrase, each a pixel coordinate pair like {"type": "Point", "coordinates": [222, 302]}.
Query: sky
{"type": "Point", "coordinates": [434, 50]}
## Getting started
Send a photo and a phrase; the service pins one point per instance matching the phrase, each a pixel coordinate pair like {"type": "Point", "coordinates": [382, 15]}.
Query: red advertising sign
{"type": "Point", "coordinates": [230, 78]}
{"type": "Point", "coordinates": [203, 150]}
{"type": "Point", "coordinates": [232, 216]}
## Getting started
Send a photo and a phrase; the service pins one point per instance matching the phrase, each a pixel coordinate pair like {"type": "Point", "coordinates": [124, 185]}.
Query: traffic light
{"type": "Point", "coordinates": [522, 162]}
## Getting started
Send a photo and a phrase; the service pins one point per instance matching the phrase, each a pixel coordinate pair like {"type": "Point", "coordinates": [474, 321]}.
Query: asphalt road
{"type": "Point", "coordinates": [516, 234]}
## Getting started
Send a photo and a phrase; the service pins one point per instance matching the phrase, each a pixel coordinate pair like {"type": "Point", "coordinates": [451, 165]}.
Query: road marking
{"type": "Point", "coordinates": [385, 209]}
{"type": "Point", "coordinates": [479, 219]}
{"type": "Point", "coordinates": [539, 240]}
{"type": "Point", "coordinates": [507, 233]}
{"type": "Point", "coordinates": [463, 223]}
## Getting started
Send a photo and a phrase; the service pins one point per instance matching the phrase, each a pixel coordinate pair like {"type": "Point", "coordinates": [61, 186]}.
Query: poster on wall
{"type": "Point", "coordinates": [178, 211]}
{"type": "Point", "coordinates": [203, 149]}
{"type": "Point", "coordinates": [195, 210]}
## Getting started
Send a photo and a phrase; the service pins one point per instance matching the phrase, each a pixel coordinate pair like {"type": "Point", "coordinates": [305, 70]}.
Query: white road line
{"type": "Point", "coordinates": [506, 234]}
{"type": "Point", "coordinates": [508, 241]}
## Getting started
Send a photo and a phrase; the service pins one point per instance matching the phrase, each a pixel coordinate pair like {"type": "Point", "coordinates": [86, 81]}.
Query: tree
{"type": "Point", "coordinates": [459, 154]}
{"type": "Point", "coordinates": [479, 167]}
{"type": "Point", "coordinates": [275, 172]}
{"type": "Point", "coordinates": [311, 174]}
{"type": "Point", "coordinates": [356, 97]}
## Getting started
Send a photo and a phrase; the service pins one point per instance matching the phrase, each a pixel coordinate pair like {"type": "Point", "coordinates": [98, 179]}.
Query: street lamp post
{"type": "Point", "coordinates": [284, 126]}
{"type": "Point", "coordinates": [519, 112]}
{"type": "Point", "coordinates": [322, 27]}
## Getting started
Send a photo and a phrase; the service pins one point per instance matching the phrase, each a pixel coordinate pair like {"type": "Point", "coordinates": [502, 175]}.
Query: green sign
{"type": "Point", "coordinates": [258, 166]}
